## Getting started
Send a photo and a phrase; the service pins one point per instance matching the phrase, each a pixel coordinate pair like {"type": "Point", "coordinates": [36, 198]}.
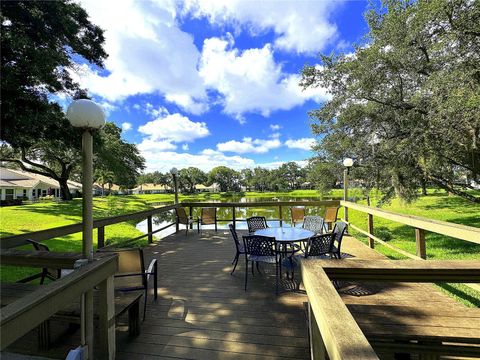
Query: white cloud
{"type": "Point", "coordinates": [299, 26]}
{"type": "Point", "coordinates": [303, 143]}
{"type": "Point", "coordinates": [161, 111]}
{"type": "Point", "coordinates": [148, 53]}
{"type": "Point", "coordinates": [249, 145]}
{"type": "Point", "coordinates": [277, 164]}
{"type": "Point", "coordinates": [251, 81]}
{"type": "Point", "coordinates": [158, 160]}
{"type": "Point", "coordinates": [175, 128]}
{"type": "Point", "coordinates": [153, 145]}
{"type": "Point", "coordinates": [126, 126]}
{"type": "Point", "coordinates": [185, 147]}
{"type": "Point", "coordinates": [275, 127]}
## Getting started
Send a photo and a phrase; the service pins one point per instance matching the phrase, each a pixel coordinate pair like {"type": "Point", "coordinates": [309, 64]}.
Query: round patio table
{"type": "Point", "coordinates": [286, 235]}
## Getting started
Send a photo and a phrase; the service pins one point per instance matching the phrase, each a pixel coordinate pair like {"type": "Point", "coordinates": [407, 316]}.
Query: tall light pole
{"type": "Point", "coordinates": [174, 172]}
{"type": "Point", "coordinates": [348, 163]}
{"type": "Point", "coordinates": [87, 115]}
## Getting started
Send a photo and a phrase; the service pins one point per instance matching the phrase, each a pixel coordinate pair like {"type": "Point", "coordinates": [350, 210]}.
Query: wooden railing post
{"type": "Point", "coordinates": [191, 216]}
{"type": "Point", "coordinates": [149, 229]}
{"type": "Point", "coordinates": [371, 241]}
{"type": "Point", "coordinates": [234, 218]}
{"type": "Point", "coordinates": [280, 215]}
{"type": "Point", "coordinates": [101, 237]}
{"type": "Point", "coordinates": [106, 339]}
{"type": "Point", "coordinates": [420, 241]}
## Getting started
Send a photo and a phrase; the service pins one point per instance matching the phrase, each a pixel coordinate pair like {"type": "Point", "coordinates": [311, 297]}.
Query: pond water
{"type": "Point", "coordinates": [224, 215]}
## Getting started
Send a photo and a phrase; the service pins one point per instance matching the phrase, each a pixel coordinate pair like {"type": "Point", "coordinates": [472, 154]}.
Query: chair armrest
{"type": "Point", "coordinates": [152, 269]}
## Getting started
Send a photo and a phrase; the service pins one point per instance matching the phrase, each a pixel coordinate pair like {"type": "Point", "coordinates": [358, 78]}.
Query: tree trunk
{"type": "Point", "coordinates": [64, 190]}
{"type": "Point", "coordinates": [423, 183]}
{"type": "Point", "coordinates": [103, 190]}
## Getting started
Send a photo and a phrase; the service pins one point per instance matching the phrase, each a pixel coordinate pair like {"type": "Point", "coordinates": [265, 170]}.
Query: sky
{"type": "Point", "coordinates": [209, 83]}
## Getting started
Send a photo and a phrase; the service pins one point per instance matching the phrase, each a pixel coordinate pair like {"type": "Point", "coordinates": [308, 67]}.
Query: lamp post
{"type": "Point", "coordinates": [348, 163]}
{"type": "Point", "coordinates": [87, 115]}
{"type": "Point", "coordinates": [174, 172]}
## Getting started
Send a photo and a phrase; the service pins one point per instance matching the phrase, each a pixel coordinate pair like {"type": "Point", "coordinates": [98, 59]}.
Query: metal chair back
{"type": "Point", "coordinates": [313, 223]}
{"type": "Point", "coordinates": [255, 223]}
{"type": "Point", "coordinates": [258, 245]}
{"type": "Point", "coordinates": [337, 237]}
{"type": "Point", "coordinates": [238, 244]}
{"type": "Point", "coordinates": [318, 245]}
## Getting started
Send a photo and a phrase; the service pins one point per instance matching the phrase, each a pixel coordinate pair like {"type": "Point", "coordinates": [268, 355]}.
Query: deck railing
{"type": "Point", "coordinates": [280, 205]}
{"type": "Point", "coordinates": [100, 224]}
{"type": "Point", "coordinates": [332, 328]}
{"type": "Point", "coordinates": [35, 308]}
{"type": "Point", "coordinates": [420, 224]}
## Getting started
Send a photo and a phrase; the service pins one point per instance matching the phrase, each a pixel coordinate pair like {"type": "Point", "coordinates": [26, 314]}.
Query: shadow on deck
{"type": "Point", "coordinates": [203, 312]}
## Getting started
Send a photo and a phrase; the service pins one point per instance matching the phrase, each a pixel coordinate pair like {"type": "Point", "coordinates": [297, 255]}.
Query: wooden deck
{"type": "Point", "coordinates": [203, 312]}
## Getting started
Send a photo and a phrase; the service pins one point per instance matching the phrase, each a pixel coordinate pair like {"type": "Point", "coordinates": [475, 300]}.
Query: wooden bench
{"type": "Point", "coordinates": [123, 302]}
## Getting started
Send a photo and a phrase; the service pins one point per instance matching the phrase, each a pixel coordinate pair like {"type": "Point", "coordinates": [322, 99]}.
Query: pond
{"type": "Point", "coordinates": [224, 215]}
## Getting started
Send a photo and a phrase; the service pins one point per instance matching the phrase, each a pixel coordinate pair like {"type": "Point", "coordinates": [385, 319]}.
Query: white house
{"type": "Point", "coordinates": [18, 184]}
{"type": "Point", "coordinates": [150, 188]}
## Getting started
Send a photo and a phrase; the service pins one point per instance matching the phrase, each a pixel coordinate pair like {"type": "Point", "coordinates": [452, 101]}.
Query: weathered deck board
{"type": "Point", "coordinates": [203, 312]}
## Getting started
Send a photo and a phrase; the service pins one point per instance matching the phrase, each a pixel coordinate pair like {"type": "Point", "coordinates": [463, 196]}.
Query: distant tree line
{"type": "Point", "coordinates": [288, 176]}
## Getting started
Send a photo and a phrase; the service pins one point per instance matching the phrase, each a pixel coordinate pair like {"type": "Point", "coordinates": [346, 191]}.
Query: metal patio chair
{"type": "Point", "coordinates": [183, 218]}
{"type": "Point", "coordinates": [132, 275]}
{"type": "Point", "coordinates": [46, 273]}
{"type": "Point", "coordinates": [313, 223]}
{"type": "Point", "coordinates": [261, 249]}
{"type": "Point", "coordinates": [238, 246]}
{"type": "Point", "coordinates": [255, 223]}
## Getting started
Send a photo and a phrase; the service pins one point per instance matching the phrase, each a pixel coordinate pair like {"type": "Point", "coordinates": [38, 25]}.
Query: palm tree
{"type": "Point", "coordinates": [104, 177]}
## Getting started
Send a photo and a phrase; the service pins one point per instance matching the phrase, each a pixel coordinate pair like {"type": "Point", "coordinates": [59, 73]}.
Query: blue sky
{"type": "Point", "coordinates": [208, 83]}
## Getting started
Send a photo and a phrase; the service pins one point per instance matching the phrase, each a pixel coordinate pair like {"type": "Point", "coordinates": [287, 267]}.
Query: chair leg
{"type": "Point", "coordinates": [276, 278]}
{"type": "Point", "coordinates": [246, 273]}
{"type": "Point", "coordinates": [145, 304]}
{"type": "Point", "coordinates": [253, 274]}
{"type": "Point", "coordinates": [234, 266]}
{"type": "Point", "coordinates": [258, 269]}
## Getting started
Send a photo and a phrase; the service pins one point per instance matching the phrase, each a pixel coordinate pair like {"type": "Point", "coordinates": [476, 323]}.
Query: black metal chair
{"type": "Point", "coordinates": [255, 223]}
{"type": "Point", "coordinates": [132, 275]}
{"type": "Point", "coordinates": [46, 273]}
{"type": "Point", "coordinates": [238, 245]}
{"type": "Point", "coordinates": [336, 238]}
{"type": "Point", "coordinates": [261, 249]}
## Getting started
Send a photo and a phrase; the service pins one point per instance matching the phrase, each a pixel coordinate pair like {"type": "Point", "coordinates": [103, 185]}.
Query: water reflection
{"type": "Point", "coordinates": [224, 215]}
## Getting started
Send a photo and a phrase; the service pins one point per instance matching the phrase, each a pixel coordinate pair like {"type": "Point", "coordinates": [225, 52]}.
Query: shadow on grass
{"type": "Point", "coordinates": [474, 301]}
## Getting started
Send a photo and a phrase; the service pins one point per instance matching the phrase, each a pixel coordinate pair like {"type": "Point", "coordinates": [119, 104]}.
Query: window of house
{"type": "Point", "coordinates": [24, 192]}
{"type": "Point", "coordinates": [44, 192]}
{"type": "Point", "coordinates": [9, 193]}
{"type": "Point", "coordinates": [33, 193]}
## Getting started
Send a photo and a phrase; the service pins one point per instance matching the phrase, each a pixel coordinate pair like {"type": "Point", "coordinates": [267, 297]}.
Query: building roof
{"type": "Point", "coordinates": [151, 186]}
{"type": "Point", "coordinates": [25, 179]}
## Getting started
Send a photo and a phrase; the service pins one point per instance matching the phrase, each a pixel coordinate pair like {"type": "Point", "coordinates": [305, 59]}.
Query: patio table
{"type": "Point", "coordinates": [286, 235]}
